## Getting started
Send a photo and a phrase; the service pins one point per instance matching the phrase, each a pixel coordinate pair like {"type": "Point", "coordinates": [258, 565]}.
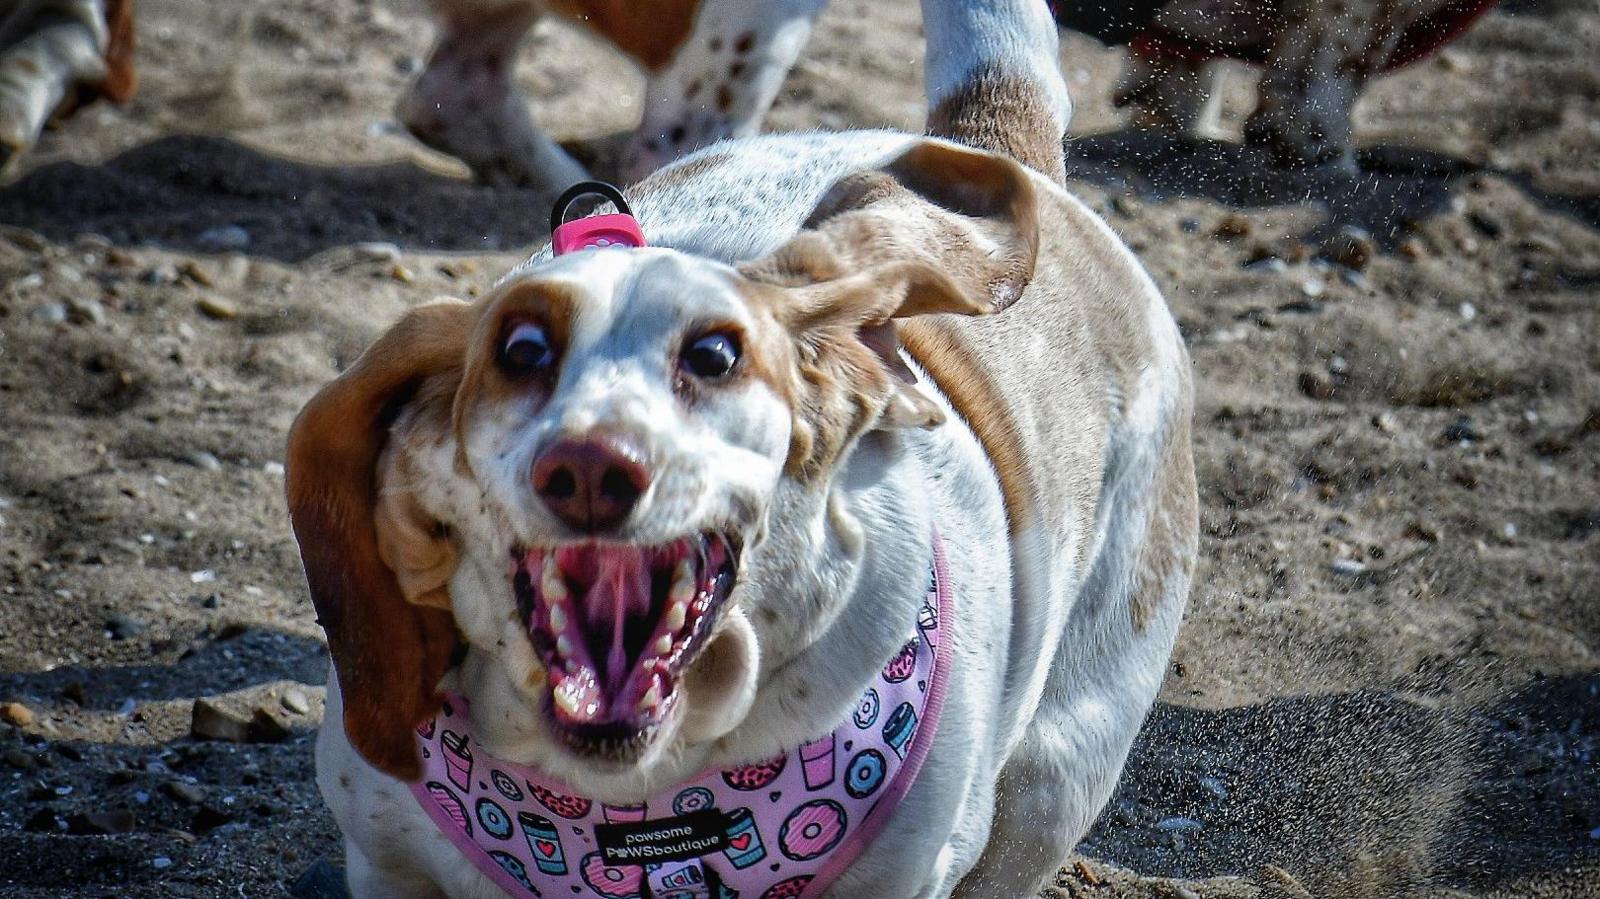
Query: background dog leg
{"type": "Point", "coordinates": [466, 103]}
{"type": "Point", "coordinates": [47, 49]}
{"type": "Point", "coordinates": [994, 79]}
{"type": "Point", "coordinates": [722, 79]}
{"type": "Point", "coordinates": [1167, 93]}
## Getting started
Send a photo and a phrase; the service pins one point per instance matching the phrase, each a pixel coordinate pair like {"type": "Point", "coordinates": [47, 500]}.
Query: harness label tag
{"type": "Point", "coordinates": [664, 839]}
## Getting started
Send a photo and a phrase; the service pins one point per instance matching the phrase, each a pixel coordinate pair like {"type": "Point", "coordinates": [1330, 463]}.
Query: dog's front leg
{"type": "Point", "coordinates": [466, 103]}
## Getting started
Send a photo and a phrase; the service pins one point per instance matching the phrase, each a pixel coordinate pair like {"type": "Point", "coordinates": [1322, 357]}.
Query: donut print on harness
{"type": "Point", "coordinates": [493, 819]}
{"type": "Point", "coordinates": [573, 807]}
{"type": "Point", "coordinates": [612, 881]}
{"type": "Point", "coordinates": [812, 829]}
{"type": "Point", "coordinates": [903, 664]}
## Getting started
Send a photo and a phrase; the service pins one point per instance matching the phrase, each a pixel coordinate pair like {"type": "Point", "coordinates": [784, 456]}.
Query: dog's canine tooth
{"type": "Point", "coordinates": [682, 584]}
{"type": "Point", "coordinates": [558, 618]}
{"type": "Point", "coordinates": [651, 697]}
{"type": "Point", "coordinates": [677, 614]}
{"type": "Point", "coordinates": [663, 644]}
{"type": "Point", "coordinates": [551, 585]}
{"type": "Point", "coordinates": [564, 646]}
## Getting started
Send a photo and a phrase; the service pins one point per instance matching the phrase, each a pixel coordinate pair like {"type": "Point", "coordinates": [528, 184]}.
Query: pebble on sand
{"type": "Point", "coordinates": [295, 701]}
{"type": "Point", "coordinates": [217, 308]}
{"type": "Point", "coordinates": [16, 713]}
{"type": "Point", "coordinates": [1349, 568]}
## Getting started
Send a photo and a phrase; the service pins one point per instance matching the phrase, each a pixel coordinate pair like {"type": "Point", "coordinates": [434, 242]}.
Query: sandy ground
{"type": "Point", "coordinates": [1389, 681]}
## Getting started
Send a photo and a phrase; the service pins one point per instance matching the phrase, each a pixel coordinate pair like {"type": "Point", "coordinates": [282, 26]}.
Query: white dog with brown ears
{"type": "Point", "coordinates": [625, 568]}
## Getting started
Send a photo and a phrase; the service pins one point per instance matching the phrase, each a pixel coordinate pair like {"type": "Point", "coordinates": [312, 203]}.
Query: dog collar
{"type": "Point", "coordinates": [782, 829]}
{"type": "Point", "coordinates": [595, 232]}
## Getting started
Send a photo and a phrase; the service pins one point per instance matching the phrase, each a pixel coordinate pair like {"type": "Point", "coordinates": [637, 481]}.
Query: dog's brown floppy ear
{"type": "Point", "coordinates": [966, 216]}
{"type": "Point", "coordinates": [939, 229]}
{"type": "Point", "coordinates": [389, 653]}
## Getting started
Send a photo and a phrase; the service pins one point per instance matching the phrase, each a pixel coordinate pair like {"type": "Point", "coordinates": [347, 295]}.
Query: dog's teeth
{"type": "Point", "coordinates": [558, 619]}
{"type": "Point", "coordinates": [683, 583]}
{"type": "Point", "coordinates": [550, 582]}
{"type": "Point", "coordinates": [677, 614]}
{"type": "Point", "coordinates": [651, 698]}
{"type": "Point", "coordinates": [663, 644]}
{"type": "Point", "coordinates": [566, 697]}
{"type": "Point", "coordinates": [564, 646]}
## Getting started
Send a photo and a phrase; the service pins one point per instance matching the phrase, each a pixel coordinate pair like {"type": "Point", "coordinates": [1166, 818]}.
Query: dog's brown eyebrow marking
{"type": "Point", "coordinates": [550, 305]}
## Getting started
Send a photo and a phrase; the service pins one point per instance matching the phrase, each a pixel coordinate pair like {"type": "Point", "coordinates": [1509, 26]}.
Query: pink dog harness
{"type": "Point", "coordinates": [781, 829]}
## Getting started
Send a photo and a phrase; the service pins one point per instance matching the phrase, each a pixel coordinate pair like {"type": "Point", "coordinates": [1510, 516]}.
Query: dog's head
{"type": "Point", "coordinates": [568, 474]}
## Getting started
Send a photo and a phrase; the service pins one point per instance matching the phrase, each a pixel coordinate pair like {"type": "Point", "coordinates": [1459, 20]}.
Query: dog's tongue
{"type": "Point", "coordinates": [617, 580]}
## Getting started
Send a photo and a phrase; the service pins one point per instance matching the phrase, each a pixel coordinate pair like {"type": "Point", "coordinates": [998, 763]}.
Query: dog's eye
{"type": "Point", "coordinates": [711, 355]}
{"type": "Point", "coordinates": [527, 350]}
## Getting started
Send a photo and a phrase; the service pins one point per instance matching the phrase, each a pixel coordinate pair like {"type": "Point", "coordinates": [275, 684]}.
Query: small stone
{"type": "Point", "coordinates": [1231, 226]}
{"type": "Point", "coordinates": [1509, 530]}
{"type": "Point", "coordinates": [224, 237]}
{"type": "Point", "coordinates": [1462, 430]}
{"type": "Point", "coordinates": [1171, 890]}
{"type": "Point", "coordinates": [1468, 312]}
{"type": "Point", "coordinates": [185, 792]}
{"type": "Point", "coordinates": [123, 627]}
{"type": "Point", "coordinates": [161, 273]}
{"type": "Point", "coordinates": [217, 308]}
{"type": "Point", "coordinates": [1179, 824]}
{"type": "Point", "coordinates": [1277, 883]}
{"type": "Point", "coordinates": [273, 468]}
{"type": "Point", "coordinates": [100, 823]}
{"type": "Point", "coordinates": [1385, 422]}
{"type": "Point", "coordinates": [1215, 787]}
{"type": "Point", "coordinates": [1351, 247]}
{"type": "Point", "coordinates": [378, 251]}
{"type": "Point", "coordinates": [1486, 224]}
{"type": "Point", "coordinates": [209, 818]}
{"type": "Point", "coordinates": [1316, 386]}
{"type": "Point", "coordinates": [195, 272]}
{"type": "Point", "coordinates": [1411, 249]}
{"type": "Point", "coordinates": [1348, 568]}
{"type": "Point", "coordinates": [295, 701]}
{"type": "Point", "coordinates": [86, 312]}
{"type": "Point", "coordinates": [50, 313]}
{"type": "Point", "coordinates": [266, 728]}
{"type": "Point", "coordinates": [204, 461]}
{"type": "Point", "coordinates": [1313, 287]}
{"type": "Point", "coordinates": [322, 880]}
{"type": "Point", "coordinates": [161, 863]}
{"type": "Point", "coordinates": [1422, 530]}
{"type": "Point", "coordinates": [1270, 264]}
{"type": "Point", "coordinates": [402, 274]}
{"type": "Point", "coordinates": [16, 713]}
{"type": "Point", "coordinates": [209, 721]}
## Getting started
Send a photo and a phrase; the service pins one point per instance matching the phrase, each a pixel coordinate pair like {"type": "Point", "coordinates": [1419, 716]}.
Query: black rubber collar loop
{"type": "Point", "coordinates": [558, 215]}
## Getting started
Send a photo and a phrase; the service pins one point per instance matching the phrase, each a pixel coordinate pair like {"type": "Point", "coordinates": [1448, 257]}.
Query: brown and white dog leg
{"type": "Point", "coordinates": [994, 81]}
{"type": "Point", "coordinates": [1318, 59]}
{"type": "Point", "coordinates": [466, 103]}
{"type": "Point", "coordinates": [720, 79]}
{"type": "Point", "coordinates": [51, 49]}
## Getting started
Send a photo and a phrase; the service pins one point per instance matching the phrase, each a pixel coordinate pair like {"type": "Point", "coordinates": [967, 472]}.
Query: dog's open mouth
{"type": "Point", "coordinates": [616, 625]}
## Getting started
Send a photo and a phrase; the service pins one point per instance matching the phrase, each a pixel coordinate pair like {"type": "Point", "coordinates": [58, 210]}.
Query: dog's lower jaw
{"type": "Point", "coordinates": [720, 688]}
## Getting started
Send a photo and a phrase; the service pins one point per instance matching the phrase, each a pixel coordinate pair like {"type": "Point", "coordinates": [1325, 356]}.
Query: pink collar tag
{"type": "Point", "coordinates": [595, 232]}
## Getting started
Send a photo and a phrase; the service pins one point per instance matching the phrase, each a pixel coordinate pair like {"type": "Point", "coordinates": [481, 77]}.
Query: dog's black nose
{"type": "Point", "coordinates": [593, 483]}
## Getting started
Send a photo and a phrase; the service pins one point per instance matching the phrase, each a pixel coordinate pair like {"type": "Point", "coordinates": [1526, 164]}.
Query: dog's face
{"type": "Point", "coordinates": [570, 474]}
